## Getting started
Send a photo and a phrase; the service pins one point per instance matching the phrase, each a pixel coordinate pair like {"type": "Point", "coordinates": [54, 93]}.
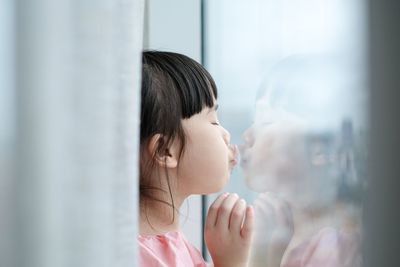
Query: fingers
{"type": "Point", "coordinates": [227, 243]}
{"type": "Point", "coordinates": [237, 215]}
{"type": "Point", "coordinates": [213, 210]}
{"type": "Point", "coordinates": [248, 224]}
{"type": "Point", "coordinates": [224, 211]}
{"type": "Point", "coordinates": [229, 213]}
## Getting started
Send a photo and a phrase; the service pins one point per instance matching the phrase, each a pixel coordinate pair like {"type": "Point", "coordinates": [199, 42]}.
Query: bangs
{"type": "Point", "coordinates": [187, 79]}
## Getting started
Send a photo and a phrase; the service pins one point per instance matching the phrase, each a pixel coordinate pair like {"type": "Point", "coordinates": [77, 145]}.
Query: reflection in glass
{"type": "Point", "coordinates": [300, 155]}
{"type": "Point", "coordinates": [293, 91]}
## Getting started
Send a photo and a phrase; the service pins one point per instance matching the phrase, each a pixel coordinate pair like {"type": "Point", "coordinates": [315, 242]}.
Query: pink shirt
{"type": "Point", "coordinates": [167, 250]}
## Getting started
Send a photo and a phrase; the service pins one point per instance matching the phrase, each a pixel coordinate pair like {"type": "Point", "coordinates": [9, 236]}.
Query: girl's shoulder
{"type": "Point", "coordinates": [168, 249]}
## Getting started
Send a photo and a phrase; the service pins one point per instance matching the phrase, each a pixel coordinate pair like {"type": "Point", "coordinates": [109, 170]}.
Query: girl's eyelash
{"type": "Point", "coordinates": [215, 123]}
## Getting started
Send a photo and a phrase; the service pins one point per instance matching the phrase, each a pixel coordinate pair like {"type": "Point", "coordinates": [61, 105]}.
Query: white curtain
{"type": "Point", "coordinates": [69, 155]}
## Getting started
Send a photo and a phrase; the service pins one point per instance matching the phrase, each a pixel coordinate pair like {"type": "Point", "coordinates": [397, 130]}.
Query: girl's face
{"type": "Point", "coordinates": [208, 158]}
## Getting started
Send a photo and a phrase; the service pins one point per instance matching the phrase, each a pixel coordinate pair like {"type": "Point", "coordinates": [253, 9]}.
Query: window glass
{"type": "Point", "coordinates": [293, 94]}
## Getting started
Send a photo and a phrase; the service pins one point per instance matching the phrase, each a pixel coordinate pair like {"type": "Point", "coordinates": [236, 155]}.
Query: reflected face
{"type": "Point", "coordinates": [273, 157]}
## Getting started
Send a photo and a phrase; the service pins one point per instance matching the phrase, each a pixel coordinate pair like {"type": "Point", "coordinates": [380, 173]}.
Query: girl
{"type": "Point", "coordinates": [184, 151]}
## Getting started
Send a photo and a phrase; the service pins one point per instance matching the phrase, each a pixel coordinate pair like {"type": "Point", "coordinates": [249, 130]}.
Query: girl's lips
{"type": "Point", "coordinates": [234, 154]}
{"type": "Point", "coordinates": [233, 157]}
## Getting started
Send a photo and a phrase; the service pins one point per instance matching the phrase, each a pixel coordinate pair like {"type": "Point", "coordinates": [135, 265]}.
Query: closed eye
{"type": "Point", "coordinates": [215, 123]}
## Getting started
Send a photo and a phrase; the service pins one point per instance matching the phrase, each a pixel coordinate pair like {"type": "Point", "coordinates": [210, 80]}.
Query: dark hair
{"type": "Point", "coordinates": [174, 87]}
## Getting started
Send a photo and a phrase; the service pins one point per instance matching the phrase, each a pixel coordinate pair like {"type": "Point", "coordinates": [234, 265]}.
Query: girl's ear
{"type": "Point", "coordinates": [167, 158]}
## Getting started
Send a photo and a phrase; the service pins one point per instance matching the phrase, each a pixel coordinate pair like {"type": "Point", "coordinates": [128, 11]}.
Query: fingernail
{"type": "Point", "coordinates": [251, 209]}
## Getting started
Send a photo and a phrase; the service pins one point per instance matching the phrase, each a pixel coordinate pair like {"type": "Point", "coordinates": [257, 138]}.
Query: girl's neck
{"type": "Point", "coordinates": [158, 218]}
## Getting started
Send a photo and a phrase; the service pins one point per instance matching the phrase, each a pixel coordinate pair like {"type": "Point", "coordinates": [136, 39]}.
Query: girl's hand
{"type": "Point", "coordinates": [273, 230]}
{"type": "Point", "coordinates": [228, 231]}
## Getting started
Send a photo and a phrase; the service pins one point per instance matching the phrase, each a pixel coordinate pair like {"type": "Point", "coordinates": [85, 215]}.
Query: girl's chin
{"type": "Point", "coordinates": [222, 184]}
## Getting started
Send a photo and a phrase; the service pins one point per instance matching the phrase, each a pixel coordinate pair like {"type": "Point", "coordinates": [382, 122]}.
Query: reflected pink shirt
{"type": "Point", "coordinates": [329, 248]}
{"type": "Point", "coordinates": [167, 250]}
